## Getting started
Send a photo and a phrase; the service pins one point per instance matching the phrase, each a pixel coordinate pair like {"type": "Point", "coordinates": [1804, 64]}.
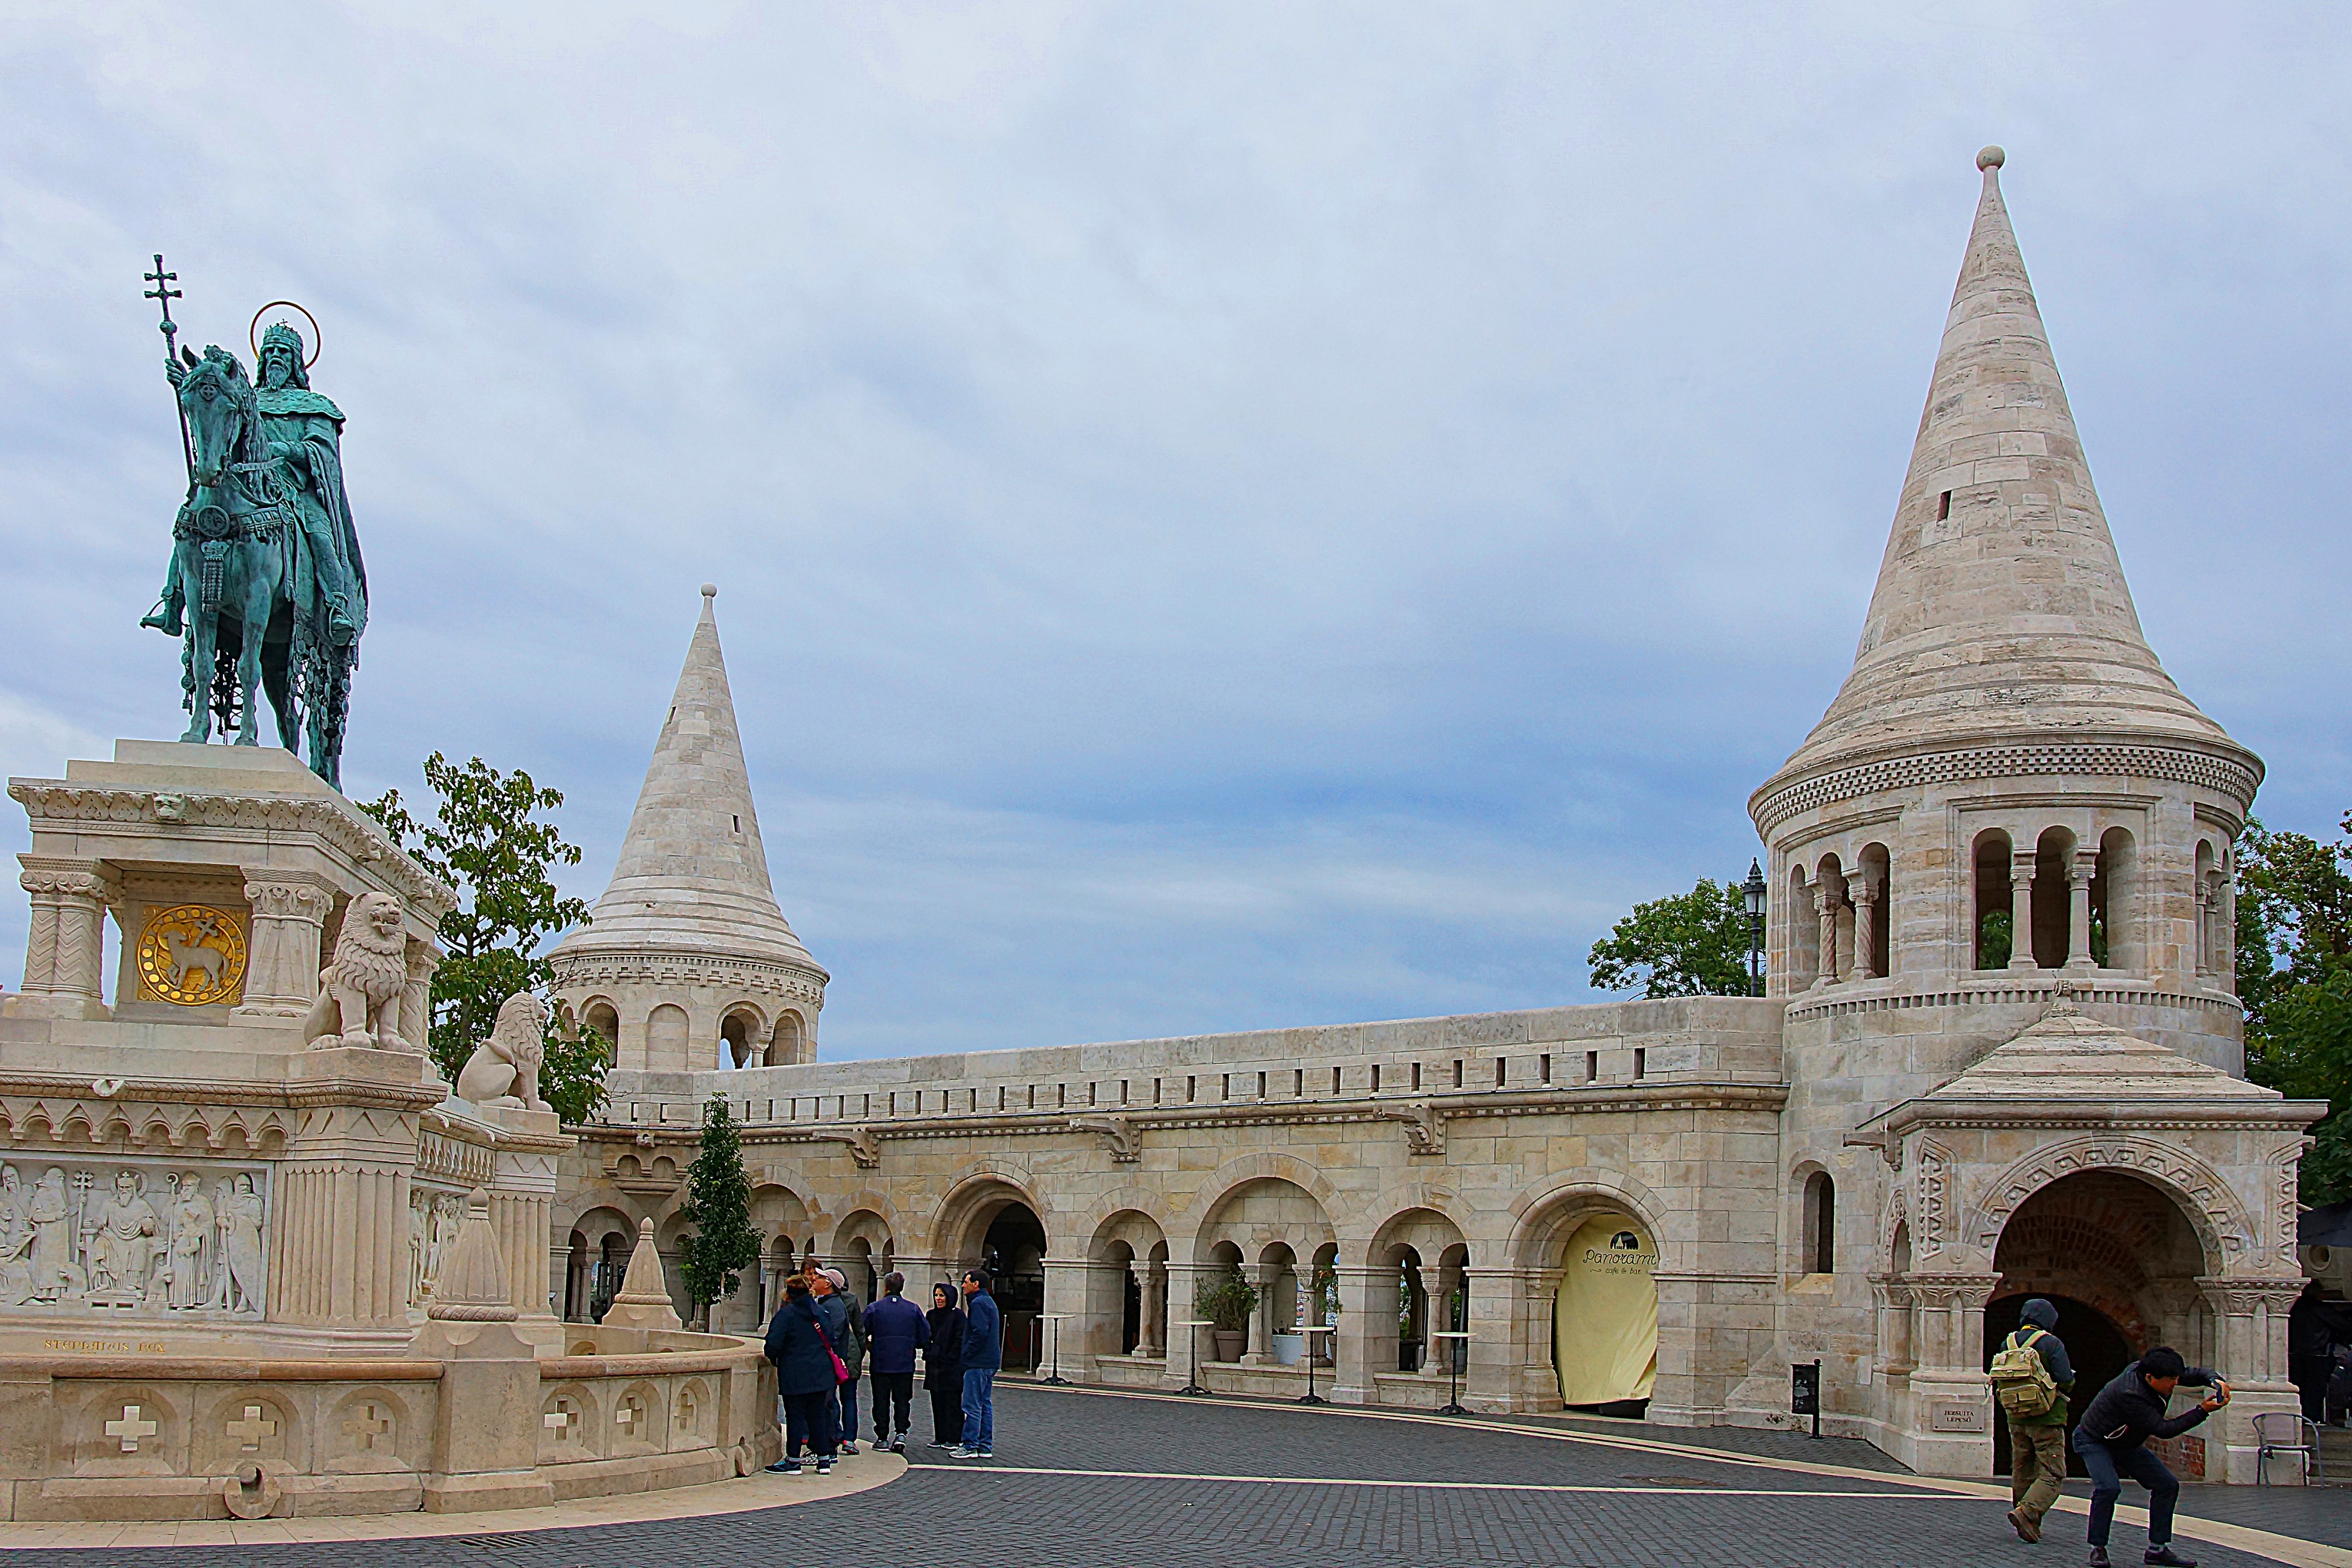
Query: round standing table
{"type": "Point", "coordinates": [1192, 1327]}
{"type": "Point", "coordinates": [1310, 1329]}
{"type": "Point", "coordinates": [1055, 1319]}
{"type": "Point", "coordinates": [1453, 1405]}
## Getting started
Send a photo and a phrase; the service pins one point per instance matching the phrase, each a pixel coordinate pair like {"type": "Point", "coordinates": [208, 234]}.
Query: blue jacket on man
{"type": "Point", "coordinates": [983, 1336]}
{"type": "Point", "coordinates": [895, 1331]}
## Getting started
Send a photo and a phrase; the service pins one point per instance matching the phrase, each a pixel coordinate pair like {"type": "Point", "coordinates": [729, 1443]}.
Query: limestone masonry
{"type": "Point", "coordinates": [2001, 1055]}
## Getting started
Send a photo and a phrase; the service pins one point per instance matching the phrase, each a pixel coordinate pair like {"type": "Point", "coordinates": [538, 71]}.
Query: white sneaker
{"type": "Point", "coordinates": [960, 1452]}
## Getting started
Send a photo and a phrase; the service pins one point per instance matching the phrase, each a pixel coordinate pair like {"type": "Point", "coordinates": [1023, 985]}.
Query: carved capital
{"type": "Point", "coordinates": [1424, 1126]}
{"type": "Point", "coordinates": [289, 899]}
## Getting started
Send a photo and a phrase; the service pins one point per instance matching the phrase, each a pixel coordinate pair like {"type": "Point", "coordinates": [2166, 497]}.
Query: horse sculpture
{"type": "Point", "coordinates": [236, 545]}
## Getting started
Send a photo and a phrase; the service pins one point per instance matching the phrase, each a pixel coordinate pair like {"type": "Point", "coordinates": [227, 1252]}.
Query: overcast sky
{"type": "Point", "coordinates": [1225, 516]}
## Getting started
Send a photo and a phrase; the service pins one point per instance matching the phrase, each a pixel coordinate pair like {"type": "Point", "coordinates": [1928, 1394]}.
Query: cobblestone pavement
{"type": "Point", "coordinates": [1218, 1482]}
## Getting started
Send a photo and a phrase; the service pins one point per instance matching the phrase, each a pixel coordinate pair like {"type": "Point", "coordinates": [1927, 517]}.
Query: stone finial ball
{"type": "Point", "coordinates": [710, 590]}
{"type": "Point", "coordinates": [1992, 158]}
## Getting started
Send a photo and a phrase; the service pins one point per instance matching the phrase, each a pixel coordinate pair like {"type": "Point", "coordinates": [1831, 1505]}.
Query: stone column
{"type": "Point", "coordinates": [1261, 1330]}
{"type": "Point", "coordinates": [1487, 1382]}
{"type": "Point", "coordinates": [65, 949]}
{"type": "Point", "coordinates": [282, 965]}
{"type": "Point", "coordinates": [1825, 907]}
{"type": "Point", "coordinates": [1187, 1348]}
{"type": "Point", "coordinates": [2205, 922]}
{"type": "Point", "coordinates": [1951, 1407]}
{"type": "Point", "coordinates": [1352, 1373]}
{"type": "Point", "coordinates": [2021, 909]}
{"type": "Point", "coordinates": [2225, 923]}
{"type": "Point", "coordinates": [2250, 1350]}
{"type": "Point", "coordinates": [1151, 1335]}
{"type": "Point", "coordinates": [416, 996]}
{"type": "Point", "coordinates": [337, 1229]}
{"type": "Point", "coordinates": [1535, 1381]}
{"type": "Point", "coordinates": [2079, 872]}
{"type": "Point", "coordinates": [1864, 894]}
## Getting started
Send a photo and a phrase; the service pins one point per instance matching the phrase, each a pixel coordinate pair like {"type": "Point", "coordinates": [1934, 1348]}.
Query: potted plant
{"type": "Point", "coordinates": [1226, 1300]}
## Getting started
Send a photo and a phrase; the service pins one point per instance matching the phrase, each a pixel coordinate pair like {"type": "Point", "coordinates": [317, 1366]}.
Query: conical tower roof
{"type": "Point", "coordinates": [692, 877]}
{"type": "Point", "coordinates": [2000, 608]}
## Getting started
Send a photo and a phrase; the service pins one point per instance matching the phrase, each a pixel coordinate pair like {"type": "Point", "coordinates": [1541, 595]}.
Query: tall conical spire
{"type": "Point", "coordinates": [2001, 607]}
{"type": "Point", "coordinates": [692, 877]}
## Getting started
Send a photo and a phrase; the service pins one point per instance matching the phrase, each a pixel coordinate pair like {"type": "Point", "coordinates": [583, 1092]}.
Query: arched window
{"type": "Point", "coordinates": [1821, 1224]}
{"type": "Point", "coordinates": [1878, 881]}
{"type": "Point", "coordinates": [1803, 931]}
{"type": "Point", "coordinates": [1994, 939]}
{"type": "Point", "coordinates": [601, 1020]}
{"type": "Point", "coordinates": [2114, 902]}
{"type": "Point", "coordinates": [2053, 853]}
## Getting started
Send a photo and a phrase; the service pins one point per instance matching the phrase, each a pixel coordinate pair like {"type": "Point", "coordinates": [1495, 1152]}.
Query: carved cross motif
{"type": "Point", "coordinates": [367, 1423]}
{"type": "Point", "coordinates": [131, 1427]}
{"type": "Point", "coordinates": [685, 1408]}
{"type": "Point", "coordinates": [250, 1431]}
{"type": "Point", "coordinates": [628, 1414]}
{"type": "Point", "coordinates": [559, 1421]}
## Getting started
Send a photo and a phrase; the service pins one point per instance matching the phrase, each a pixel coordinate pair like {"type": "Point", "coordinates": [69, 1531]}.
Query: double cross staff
{"type": "Point", "coordinates": [164, 294]}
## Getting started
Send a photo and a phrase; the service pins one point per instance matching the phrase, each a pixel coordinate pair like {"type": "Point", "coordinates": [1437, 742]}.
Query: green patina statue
{"type": "Point", "coordinates": [265, 586]}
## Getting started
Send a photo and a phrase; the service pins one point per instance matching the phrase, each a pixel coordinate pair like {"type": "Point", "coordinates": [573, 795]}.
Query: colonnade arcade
{"type": "Point", "coordinates": [2065, 890]}
{"type": "Point", "coordinates": [1124, 1277]}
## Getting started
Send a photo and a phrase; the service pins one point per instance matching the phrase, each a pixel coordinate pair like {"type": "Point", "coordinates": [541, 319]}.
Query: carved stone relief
{"type": "Point", "coordinates": [134, 1238]}
{"type": "Point", "coordinates": [434, 1217]}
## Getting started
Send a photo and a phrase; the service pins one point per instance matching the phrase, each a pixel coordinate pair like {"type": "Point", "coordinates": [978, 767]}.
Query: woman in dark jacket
{"type": "Point", "coordinates": [943, 1367]}
{"type": "Point", "coordinates": [804, 1380]}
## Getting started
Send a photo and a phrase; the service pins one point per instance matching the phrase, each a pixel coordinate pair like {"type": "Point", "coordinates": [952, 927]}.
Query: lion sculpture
{"type": "Point", "coordinates": [504, 1069]}
{"type": "Point", "coordinates": [358, 993]}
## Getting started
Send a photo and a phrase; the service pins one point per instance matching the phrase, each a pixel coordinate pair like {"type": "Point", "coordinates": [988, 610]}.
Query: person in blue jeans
{"type": "Point", "coordinates": [983, 1352]}
{"type": "Point", "coordinates": [2111, 1438]}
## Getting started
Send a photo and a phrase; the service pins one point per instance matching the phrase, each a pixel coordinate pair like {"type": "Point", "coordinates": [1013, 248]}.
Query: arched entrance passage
{"type": "Point", "coordinates": [2094, 1343]}
{"type": "Point", "coordinates": [991, 1223]}
{"type": "Point", "coordinates": [1605, 1318]}
{"type": "Point", "coordinates": [2120, 1260]}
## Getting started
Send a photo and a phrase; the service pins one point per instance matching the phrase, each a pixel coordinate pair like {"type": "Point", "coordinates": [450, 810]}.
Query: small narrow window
{"type": "Point", "coordinates": [1416, 1076]}
{"type": "Point", "coordinates": [1458, 1072]}
{"type": "Point", "coordinates": [1225, 1086]}
{"type": "Point", "coordinates": [1543, 1068]}
{"type": "Point", "coordinates": [1376, 1077]}
{"type": "Point", "coordinates": [1122, 1091]}
{"type": "Point", "coordinates": [1261, 1086]}
{"type": "Point", "coordinates": [1090, 1094]}
{"type": "Point", "coordinates": [739, 824]}
{"type": "Point", "coordinates": [1299, 1084]}
{"type": "Point", "coordinates": [1502, 1067]}
{"type": "Point", "coordinates": [1192, 1088]}
{"type": "Point", "coordinates": [1155, 1091]}
{"type": "Point", "coordinates": [1943, 506]}
{"type": "Point", "coordinates": [1593, 1067]}
{"type": "Point", "coordinates": [1000, 1097]}
{"type": "Point", "coordinates": [1033, 1097]}
{"type": "Point", "coordinates": [1335, 1081]}
{"type": "Point", "coordinates": [1641, 1062]}
{"type": "Point", "coordinates": [868, 1103]}
{"type": "Point", "coordinates": [1061, 1095]}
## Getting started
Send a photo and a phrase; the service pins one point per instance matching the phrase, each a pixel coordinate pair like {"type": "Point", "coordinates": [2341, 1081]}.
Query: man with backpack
{"type": "Point", "coordinates": [2031, 1377]}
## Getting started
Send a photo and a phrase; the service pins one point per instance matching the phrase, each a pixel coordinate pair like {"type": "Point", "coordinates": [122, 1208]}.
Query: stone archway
{"type": "Point", "coordinates": [2120, 1259]}
{"type": "Point", "coordinates": [990, 1222]}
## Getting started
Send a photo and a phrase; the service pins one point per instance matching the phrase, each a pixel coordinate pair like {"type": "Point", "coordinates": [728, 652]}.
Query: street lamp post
{"type": "Point", "coordinates": [1754, 890]}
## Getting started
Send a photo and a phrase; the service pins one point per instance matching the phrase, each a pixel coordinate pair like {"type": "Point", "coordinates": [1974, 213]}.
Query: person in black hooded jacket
{"type": "Point", "coordinates": [2112, 1438]}
{"type": "Point", "coordinates": [943, 1367]}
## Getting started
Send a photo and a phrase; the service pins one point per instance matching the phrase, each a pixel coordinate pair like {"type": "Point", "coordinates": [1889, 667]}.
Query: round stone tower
{"type": "Point", "coordinates": [2009, 789]}
{"type": "Point", "coordinates": [687, 963]}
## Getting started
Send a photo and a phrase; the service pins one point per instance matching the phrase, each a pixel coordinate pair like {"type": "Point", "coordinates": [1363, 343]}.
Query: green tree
{"type": "Point", "coordinates": [2294, 977]}
{"type": "Point", "coordinates": [718, 1207]}
{"type": "Point", "coordinates": [1686, 945]}
{"type": "Point", "coordinates": [484, 839]}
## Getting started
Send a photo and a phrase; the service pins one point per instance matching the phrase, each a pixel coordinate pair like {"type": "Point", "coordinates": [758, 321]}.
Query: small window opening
{"type": "Point", "coordinates": [1416, 1076]}
{"type": "Point", "coordinates": [1155, 1091]}
{"type": "Point", "coordinates": [1261, 1086]}
{"type": "Point", "coordinates": [1543, 1068]}
{"type": "Point", "coordinates": [1592, 1066]}
{"type": "Point", "coordinates": [1376, 1077]}
{"type": "Point", "coordinates": [1502, 1071]}
{"type": "Point", "coordinates": [739, 824]}
{"type": "Point", "coordinates": [1458, 1072]}
{"type": "Point", "coordinates": [1192, 1088]}
{"type": "Point", "coordinates": [1335, 1081]}
{"type": "Point", "coordinates": [1298, 1083]}
{"type": "Point", "coordinates": [1944, 506]}
{"type": "Point", "coordinates": [1641, 1062]}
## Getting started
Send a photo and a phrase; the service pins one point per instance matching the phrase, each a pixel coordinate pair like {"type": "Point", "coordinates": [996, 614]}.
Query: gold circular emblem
{"type": "Point", "coordinates": [191, 954]}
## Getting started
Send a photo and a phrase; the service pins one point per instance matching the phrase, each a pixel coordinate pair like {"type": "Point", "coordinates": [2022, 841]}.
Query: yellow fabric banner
{"type": "Point", "coordinates": [1605, 1323]}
